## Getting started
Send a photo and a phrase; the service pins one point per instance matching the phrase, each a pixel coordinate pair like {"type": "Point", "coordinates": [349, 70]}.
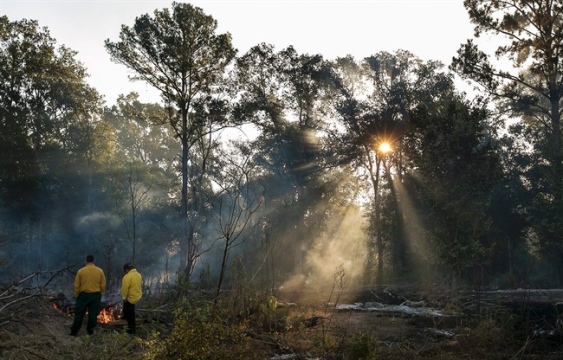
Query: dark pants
{"type": "Point", "coordinates": [129, 315]}
{"type": "Point", "coordinates": [86, 301]}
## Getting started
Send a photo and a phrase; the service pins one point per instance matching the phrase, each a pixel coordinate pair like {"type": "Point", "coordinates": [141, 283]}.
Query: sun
{"type": "Point", "coordinates": [385, 147]}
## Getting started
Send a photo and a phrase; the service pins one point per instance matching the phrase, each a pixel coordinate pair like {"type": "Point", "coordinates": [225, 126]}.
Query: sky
{"type": "Point", "coordinates": [430, 29]}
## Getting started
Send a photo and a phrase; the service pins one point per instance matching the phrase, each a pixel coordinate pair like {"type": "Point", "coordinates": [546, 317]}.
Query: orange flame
{"type": "Point", "coordinates": [106, 315]}
{"type": "Point", "coordinates": [62, 309]}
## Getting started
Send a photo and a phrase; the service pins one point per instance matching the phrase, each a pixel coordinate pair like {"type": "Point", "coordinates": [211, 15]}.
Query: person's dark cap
{"type": "Point", "coordinates": [128, 266]}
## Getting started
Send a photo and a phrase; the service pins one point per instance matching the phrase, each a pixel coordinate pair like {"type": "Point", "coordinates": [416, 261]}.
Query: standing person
{"type": "Point", "coordinates": [89, 285]}
{"type": "Point", "coordinates": [131, 292]}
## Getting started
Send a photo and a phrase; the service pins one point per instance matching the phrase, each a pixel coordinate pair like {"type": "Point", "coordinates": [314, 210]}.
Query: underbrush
{"type": "Point", "coordinates": [244, 324]}
{"type": "Point", "coordinates": [105, 346]}
{"type": "Point", "coordinates": [207, 328]}
{"type": "Point", "coordinates": [497, 336]}
{"type": "Point", "coordinates": [255, 326]}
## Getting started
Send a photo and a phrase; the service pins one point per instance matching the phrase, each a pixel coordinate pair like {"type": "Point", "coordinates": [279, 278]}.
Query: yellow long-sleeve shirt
{"type": "Point", "coordinates": [90, 279]}
{"type": "Point", "coordinates": [131, 290]}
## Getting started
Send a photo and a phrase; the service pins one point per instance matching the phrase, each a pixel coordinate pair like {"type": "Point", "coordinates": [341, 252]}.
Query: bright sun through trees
{"type": "Point", "coordinates": [385, 147]}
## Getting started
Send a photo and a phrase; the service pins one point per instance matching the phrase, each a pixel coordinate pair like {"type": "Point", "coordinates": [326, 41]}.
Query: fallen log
{"type": "Point", "coordinates": [122, 322]}
{"type": "Point", "coordinates": [551, 296]}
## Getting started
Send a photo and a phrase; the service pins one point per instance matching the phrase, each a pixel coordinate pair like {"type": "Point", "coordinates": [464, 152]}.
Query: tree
{"type": "Point", "coordinates": [281, 97]}
{"type": "Point", "coordinates": [140, 137]}
{"type": "Point", "coordinates": [135, 197]}
{"type": "Point", "coordinates": [49, 124]}
{"type": "Point", "coordinates": [178, 52]}
{"type": "Point", "coordinates": [235, 205]}
{"type": "Point", "coordinates": [143, 181]}
{"type": "Point", "coordinates": [534, 29]}
{"type": "Point", "coordinates": [43, 93]}
{"type": "Point", "coordinates": [454, 169]}
{"type": "Point", "coordinates": [531, 90]}
{"type": "Point", "coordinates": [372, 101]}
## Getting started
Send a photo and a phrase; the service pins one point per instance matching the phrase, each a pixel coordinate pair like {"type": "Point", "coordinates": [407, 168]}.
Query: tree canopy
{"type": "Point", "coordinates": [310, 192]}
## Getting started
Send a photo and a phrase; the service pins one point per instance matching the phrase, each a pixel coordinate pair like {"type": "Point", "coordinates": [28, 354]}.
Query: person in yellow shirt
{"type": "Point", "coordinates": [89, 285]}
{"type": "Point", "coordinates": [131, 292]}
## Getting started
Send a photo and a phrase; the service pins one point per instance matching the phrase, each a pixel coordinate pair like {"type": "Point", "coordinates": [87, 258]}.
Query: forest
{"type": "Point", "coordinates": [282, 170]}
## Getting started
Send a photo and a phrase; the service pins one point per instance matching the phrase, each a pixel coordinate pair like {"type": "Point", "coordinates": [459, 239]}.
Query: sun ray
{"type": "Point", "coordinates": [415, 232]}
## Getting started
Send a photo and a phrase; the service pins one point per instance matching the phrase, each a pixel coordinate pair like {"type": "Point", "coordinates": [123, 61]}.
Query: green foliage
{"type": "Point", "coordinates": [69, 173]}
{"type": "Point", "coordinates": [202, 331]}
{"type": "Point", "coordinates": [531, 34]}
{"type": "Point", "coordinates": [457, 168]}
{"type": "Point", "coordinates": [281, 95]}
{"type": "Point", "coordinates": [54, 145]}
{"type": "Point", "coordinates": [105, 346]}
{"type": "Point", "coordinates": [178, 52]}
{"type": "Point", "coordinates": [330, 342]}
{"type": "Point", "coordinates": [48, 114]}
{"type": "Point", "coordinates": [371, 101]}
{"type": "Point", "coordinates": [259, 311]}
{"type": "Point", "coordinates": [359, 346]}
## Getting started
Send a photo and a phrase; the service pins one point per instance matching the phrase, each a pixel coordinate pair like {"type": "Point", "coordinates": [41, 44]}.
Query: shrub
{"type": "Point", "coordinates": [202, 331]}
{"type": "Point", "coordinates": [359, 346]}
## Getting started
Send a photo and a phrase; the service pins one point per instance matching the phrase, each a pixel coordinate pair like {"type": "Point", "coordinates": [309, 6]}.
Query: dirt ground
{"type": "Point", "coordinates": [35, 335]}
{"type": "Point", "coordinates": [37, 331]}
{"type": "Point", "coordinates": [385, 328]}
{"type": "Point", "coordinates": [46, 337]}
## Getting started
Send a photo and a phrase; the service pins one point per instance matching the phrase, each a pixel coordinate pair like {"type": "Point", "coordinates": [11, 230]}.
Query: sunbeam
{"type": "Point", "coordinates": [416, 238]}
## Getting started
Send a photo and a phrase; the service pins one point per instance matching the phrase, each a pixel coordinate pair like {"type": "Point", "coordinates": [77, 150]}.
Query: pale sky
{"type": "Point", "coordinates": [430, 29]}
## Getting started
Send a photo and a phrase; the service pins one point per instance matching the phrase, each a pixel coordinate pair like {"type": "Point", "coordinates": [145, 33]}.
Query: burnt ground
{"type": "Point", "coordinates": [43, 333]}
{"type": "Point", "coordinates": [34, 330]}
{"type": "Point", "coordinates": [499, 324]}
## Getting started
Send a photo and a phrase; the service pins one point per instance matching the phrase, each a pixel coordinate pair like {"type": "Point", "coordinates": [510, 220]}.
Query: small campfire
{"type": "Point", "coordinates": [109, 313]}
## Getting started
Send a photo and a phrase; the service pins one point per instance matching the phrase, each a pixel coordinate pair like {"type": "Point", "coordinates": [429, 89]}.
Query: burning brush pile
{"type": "Point", "coordinates": [35, 322]}
{"type": "Point", "coordinates": [109, 313]}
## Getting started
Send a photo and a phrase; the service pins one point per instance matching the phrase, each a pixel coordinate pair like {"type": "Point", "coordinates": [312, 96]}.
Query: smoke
{"type": "Point", "coordinates": [341, 250]}
{"type": "Point", "coordinates": [105, 220]}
